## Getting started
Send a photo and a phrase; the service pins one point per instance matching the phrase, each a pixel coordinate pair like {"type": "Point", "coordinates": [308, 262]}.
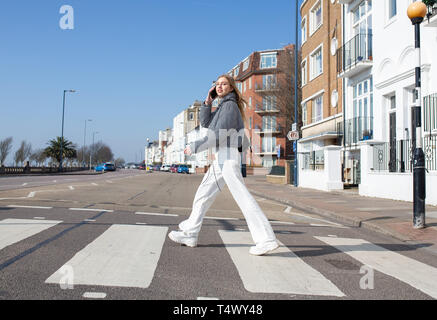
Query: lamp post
{"type": "Point", "coordinates": [146, 160]}
{"type": "Point", "coordinates": [62, 133]}
{"type": "Point", "coordinates": [295, 91]}
{"type": "Point", "coordinates": [84, 144]}
{"type": "Point", "coordinates": [416, 12]}
{"type": "Point", "coordinates": [91, 152]}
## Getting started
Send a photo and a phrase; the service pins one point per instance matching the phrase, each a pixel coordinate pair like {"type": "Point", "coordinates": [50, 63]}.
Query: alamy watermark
{"type": "Point", "coordinates": [67, 280]}
{"type": "Point", "coordinates": [67, 20]}
{"type": "Point", "coordinates": [368, 280]}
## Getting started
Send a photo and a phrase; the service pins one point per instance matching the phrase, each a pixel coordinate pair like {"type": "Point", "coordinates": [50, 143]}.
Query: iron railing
{"type": "Point", "coordinates": [358, 129]}
{"type": "Point", "coordinates": [356, 50]}
{"type": "Point", "coordinates": [397, 156]}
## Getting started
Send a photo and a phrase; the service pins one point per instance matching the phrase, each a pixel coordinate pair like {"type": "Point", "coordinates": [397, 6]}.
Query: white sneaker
{"type": "Point", "coordinates": [183, 238]}
{"type": "Point", "coordinates": [263, 248]}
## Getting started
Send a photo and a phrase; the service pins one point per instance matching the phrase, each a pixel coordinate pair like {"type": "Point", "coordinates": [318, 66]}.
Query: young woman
{"type": "Point", "coordinates": [225, 126]}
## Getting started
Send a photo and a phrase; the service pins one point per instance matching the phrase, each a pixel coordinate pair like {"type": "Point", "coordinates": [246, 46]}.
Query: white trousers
{"type": "Point", "coordinates": [228, 172]}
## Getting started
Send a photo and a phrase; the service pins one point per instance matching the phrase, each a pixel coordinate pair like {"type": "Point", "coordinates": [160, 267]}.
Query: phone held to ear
{"type": "Point", "coordinates": [213, 93]}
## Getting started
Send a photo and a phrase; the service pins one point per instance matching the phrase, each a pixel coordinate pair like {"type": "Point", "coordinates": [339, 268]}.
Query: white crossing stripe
{"type": "Point", "coordinates": [90, 209]}
{"type": "Point", "coordinates": [94, 295]}
{"type": "Point", "coordinates": [123, 256]}
{"type": "Point", "coordinates": [417, 274]}
{"type": "Point", "coordinates": [279, 272]}
{"type": "Point", "coordinates": [15, 230]}
{"type": "Point", "coordinates": [29, 207]}
{"type": "Point", "coordinates": [157, 214]}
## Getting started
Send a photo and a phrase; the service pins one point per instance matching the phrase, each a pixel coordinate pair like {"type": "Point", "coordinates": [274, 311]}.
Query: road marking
{"type": "Point", "coordinates": [15, 230]}
{"type": "Point", "coordinates": [54, 180]}
{"type": "Point", "coordinates": [207, 298]}
{"type": "Point", "coordinates": [280, 272]}
{"type": "Point", "coordinates": [220, 218]}
{"type": "Point", "coordinates": [71, 187]}
{"type": "Point", "coordinates": [288, 209]}
{"type": "Point", "coordinates": [94, 295]}
{"type": "Point", "coordinates": [157, 214]}
{"type": "Point", "coordinates": [109, 181]}
{"type": "Point", "coordinates": [89, 209]}
{"type": "Point", "coordinates": [24, 184]}
{"type": "Point", "coordinates": [28, 207]}
{"type": "Point", "coordinates": [94, 184]}
{"type": "Point", "coordinates": [123, 256]}
{"type": "Point", "coordinates": [39, 218]}
{"type": "Point", "coordinates": [417, 274]}
{"type": "Point", "coordinates": [31, 194]}
{"type": "Point", "coordinates": [326, 221]}
{"type": "Point", "coordinates": [141, 223]}
{"type": "Point", "coordinates": [89, 220]}
{"type": "Point", "coordinates": [281, 222]}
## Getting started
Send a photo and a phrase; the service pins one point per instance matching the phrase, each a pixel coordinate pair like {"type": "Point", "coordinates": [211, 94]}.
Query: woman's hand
{"type": "Point", "coordinates": [188, 150]}
{"type": "Point", "coordinates": [208, 99]}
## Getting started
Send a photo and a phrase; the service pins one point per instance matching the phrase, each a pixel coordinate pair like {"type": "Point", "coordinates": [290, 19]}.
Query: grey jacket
{"type": "Point", "coordinates": [225, 126]}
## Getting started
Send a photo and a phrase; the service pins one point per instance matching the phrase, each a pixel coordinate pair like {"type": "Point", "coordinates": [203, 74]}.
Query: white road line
{"type": "Point", "coordinates": [29, 207]}
{"type": "Point", "coordinates": [71, 187]}
{"type": "Point", "coordinates": [94, 295]}
{"type": "Point", "coordinates": [207, 298]}
{"type": "Point", "coordinates": [89, 220]}
{"type": "Point", "coordinates": [24, 184]}
{"type": "Point", "coordinates": [89, 209]}
{"type": "Point", "coordinates": [141, 223]}
{"type": "Point", "coordinates": [288, 209]}
{"type": "Point", "coordinates": [157, 214]}
{"type": "Point", "coordinates": [220, 218]}
{"type": "Point", "coordinates": [279, 272]}
{"type": "Point", "coordinates": [123, 256]}
{"type": "Point", "coordinates": [281, 222]}
{"type": "Point", "coordinates": [39, 218]}
{"type": "Point", "coordinates": [417, 274]}
{"type": "Point", "coordinates": [109, 181]}
{"type": "Point", "coordinates": [31, 194]}
{"type": "Point", "coordinates": [94, 184]}
{"type": "Point", "coordinates": [15, 230]}
{"type": "Point", "coordinates": [326, 221]}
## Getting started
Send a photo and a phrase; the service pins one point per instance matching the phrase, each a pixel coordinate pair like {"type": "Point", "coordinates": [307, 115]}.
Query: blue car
{"type": "Point", "coordinates": [105, 167]}
{"type": "Point", "coordinates": [183, 169]}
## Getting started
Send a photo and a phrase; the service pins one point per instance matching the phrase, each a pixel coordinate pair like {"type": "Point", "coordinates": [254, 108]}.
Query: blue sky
{"type": "Point", "coordinates": [135, 64]}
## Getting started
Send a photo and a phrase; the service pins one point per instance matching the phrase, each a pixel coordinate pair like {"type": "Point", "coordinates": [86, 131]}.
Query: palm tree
{"type": "Point", "coordinates": [54, 149]}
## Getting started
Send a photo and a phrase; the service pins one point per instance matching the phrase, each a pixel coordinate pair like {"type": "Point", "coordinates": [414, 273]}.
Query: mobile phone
{"type": "Point", "coordinates": [213, 93]}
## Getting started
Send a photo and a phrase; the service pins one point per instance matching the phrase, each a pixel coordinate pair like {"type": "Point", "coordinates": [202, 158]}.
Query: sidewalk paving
{"type": "Point", "coordinates": [390, 217]}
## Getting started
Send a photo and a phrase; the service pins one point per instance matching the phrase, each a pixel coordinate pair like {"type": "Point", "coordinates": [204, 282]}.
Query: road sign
{"type": "Point", "coordinates": [294, 127]}
{"type": "Point", "coordinates": [293, 135]}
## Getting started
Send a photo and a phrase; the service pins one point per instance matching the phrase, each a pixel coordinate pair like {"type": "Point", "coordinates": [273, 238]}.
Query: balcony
{"type": "Point", "coordinates": [266, 87]}
{"type": "Point", "coordinates": [260, 109]}
{"type": "Point", "coordinates": [269, 129]}
{"type": "Point", "coordinates": [431, 17]}
{"type": "Point", "coordinates": [355, 56]}
{"type": "Point", "coordinates": [358, 129]}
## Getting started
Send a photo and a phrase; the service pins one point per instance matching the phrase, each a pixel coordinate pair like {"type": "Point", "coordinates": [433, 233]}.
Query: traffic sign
{"type": "Point", "coordinates": [293, 135]}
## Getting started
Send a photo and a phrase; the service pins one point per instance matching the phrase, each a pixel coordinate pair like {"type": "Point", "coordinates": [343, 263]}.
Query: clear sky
{"type": "Point", "coordinates": [135, 63]}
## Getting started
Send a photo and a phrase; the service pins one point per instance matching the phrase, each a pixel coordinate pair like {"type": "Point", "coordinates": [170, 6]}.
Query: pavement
{"type": "Point", "coordinates": [389, 217]}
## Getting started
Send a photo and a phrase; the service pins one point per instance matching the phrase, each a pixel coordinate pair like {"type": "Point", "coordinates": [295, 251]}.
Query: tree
{"type": "Point", "coordinates": [38, 156]}
{"type": "Point", "coordinates": [54, 149]}
{"type": "Point", "coordinates": [5, 148]}
{"type": "Point", "coordinates": [23, 152]}
{"type": "Point", "coordinates": [119, 162]}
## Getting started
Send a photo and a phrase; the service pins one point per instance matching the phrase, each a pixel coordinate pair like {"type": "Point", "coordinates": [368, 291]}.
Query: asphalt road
{"type": "Point", "coordinates": [105, 237]}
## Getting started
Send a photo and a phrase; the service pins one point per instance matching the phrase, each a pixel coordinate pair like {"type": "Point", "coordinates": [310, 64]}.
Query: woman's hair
{"type": "Point", "coordinates": [240, 99]}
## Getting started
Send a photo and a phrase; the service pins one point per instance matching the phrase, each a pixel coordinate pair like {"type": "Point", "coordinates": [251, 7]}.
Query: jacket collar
{"type": "Point", "coordinates": [230, 96]}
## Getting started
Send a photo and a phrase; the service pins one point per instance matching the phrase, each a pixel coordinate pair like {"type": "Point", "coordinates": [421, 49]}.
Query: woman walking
{"type": "Point", "coordinates": [225, 126]}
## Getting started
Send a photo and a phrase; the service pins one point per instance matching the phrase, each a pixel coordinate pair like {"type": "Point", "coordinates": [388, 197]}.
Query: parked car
{"type": "Point", "coordinates": [165, 168]}
{"type": "Point", "coordinates": [156, 168]}
{"type": "Point", "coordinates": [183, 169]}
{"type": "Point", "coordinates": [105, 167]}
{"type": "Point", "coordinates": [174, 168]}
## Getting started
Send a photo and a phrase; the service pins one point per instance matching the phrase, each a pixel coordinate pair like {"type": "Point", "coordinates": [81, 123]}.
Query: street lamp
{"type": "Point", "coordinates": [416, 12]}
{"type": "Point", "coordinates": [146, 160]}
{"type": "Point", "coordinates": [62, 134]}
{"type": "Point", "coordinates": [84, 144]}
{"type": "Point", "coordinates": [91, 152]}
{"type": "Point", "coordinates": [295, 173]}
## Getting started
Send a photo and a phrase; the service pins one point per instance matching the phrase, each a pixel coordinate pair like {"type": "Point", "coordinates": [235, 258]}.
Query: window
{"type": "Point", "coordinates": [269, 144]}
{"type": "Point", "coordinates": [268, 60]}
{"type": "Point", "coordinates": [269, 103]}
{"type": "Point", "coordinates": [317, 111]}
{"type": "Point", "coordinates": [239, 86]}
{"type": "Point", "coordinates": [269, 123]}
{"type": "Point", "coordinates": [392, 9]}
{"type": "Point", "coordinates": [304, 74]}
{"type": "Point", "coordinates": [245, 64]}
{"type": "Point", "coordinates": [250, 122]}
{"type": "Point", "coordinates": [304, 114]}
{"type": "Point", "coordinates": [316, 18]}
{"type": "Point", "coordinates": [316, 63]}
{"type": "Point", "coordinates": [363, 104]}
{"type": "Point", "coordinates": [250, 83]}
{"type": "Point", "coordinates": [250, 102]}
{"type": "Point", "coordinates": [392, 102]}
{"type": "Point", "coordinates": [269, 81]}
{"type": "Point", "coordinates": [191, 116]}
{"type": "Point", "coordinates": [303, 30]}
{"type": "Point", "coordinates": [236, 71]}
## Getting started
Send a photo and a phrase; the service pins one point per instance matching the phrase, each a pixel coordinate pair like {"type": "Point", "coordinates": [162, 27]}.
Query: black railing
{"type": "Point", "coordinates": [358, 129]}
{"type": "Point", "coordinates": [266, 108]}
{"type": "Point", "coordinates": [396, 156]}
{"type": "Point", "coordinates": [356, 50]}
{"type": "Point", "coordinates": [266, 86]}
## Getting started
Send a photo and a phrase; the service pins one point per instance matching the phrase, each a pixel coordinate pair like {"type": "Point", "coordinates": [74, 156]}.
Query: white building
{"type": "Point", "coordinates": [199, 160]}
{"type": "Point", "coordinates": [179, 138]}
{"type": "Point", "coordinates": [386, 169]}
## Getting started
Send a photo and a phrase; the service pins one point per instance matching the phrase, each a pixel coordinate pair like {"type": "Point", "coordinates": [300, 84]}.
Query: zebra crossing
{"type": "Point", "coordinates": [128, 255]}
